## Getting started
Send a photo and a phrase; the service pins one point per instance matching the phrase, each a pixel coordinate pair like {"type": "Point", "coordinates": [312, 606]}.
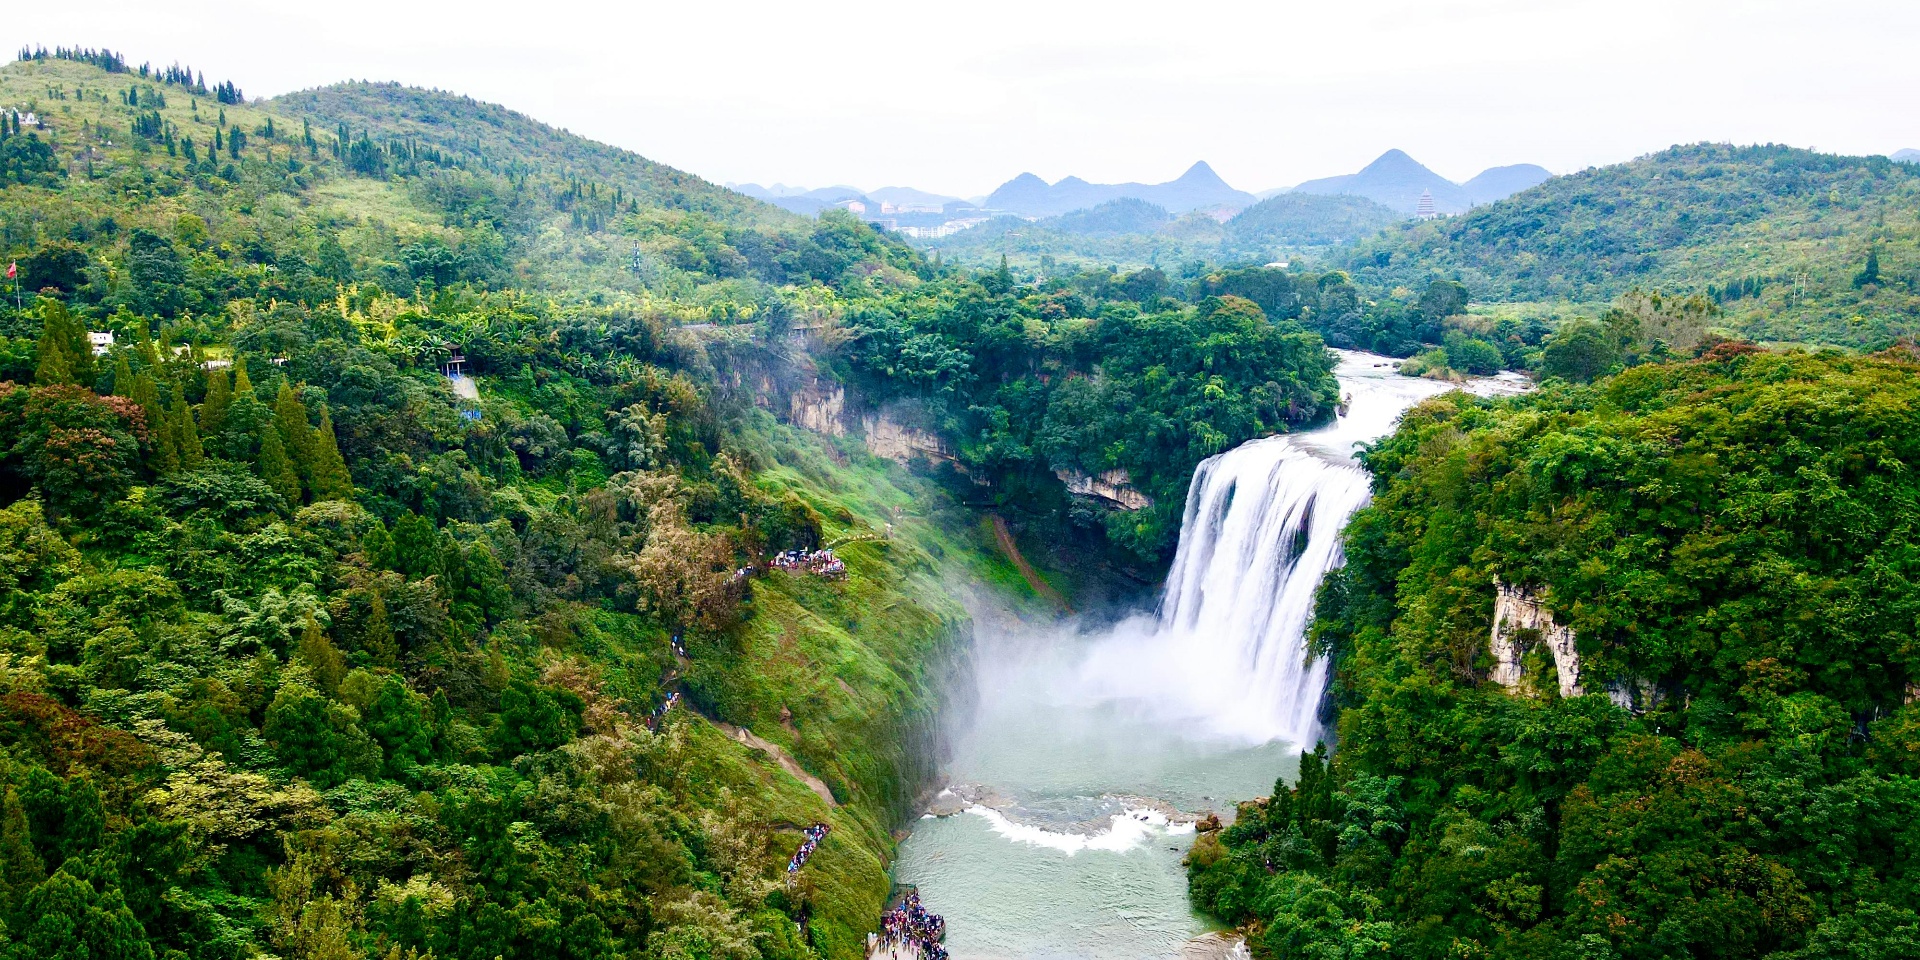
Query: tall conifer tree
{"type": "Point", "coordinates": [55, 366]}
{"type": "Point", "coordinates": [20, 866]}
{"type": "Point", "coordinates": [213, 410]}
{"type": "Point", "coordinates": [296, 433]}
{"type": "Point", "coordinates": [192, 455]}
{"type": "Point", "coordinates": [276, 469]}
{"type": "Point", "coordinates": [379, 640]}
{"type": "Point", "coordinates": [331, 481]}
{"type": "Point", "coordinates": [122, 376]}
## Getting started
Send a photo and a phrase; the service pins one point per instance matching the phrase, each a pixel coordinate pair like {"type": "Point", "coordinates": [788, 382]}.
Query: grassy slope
{"type": "Point", "coordinates": [1685, 219]}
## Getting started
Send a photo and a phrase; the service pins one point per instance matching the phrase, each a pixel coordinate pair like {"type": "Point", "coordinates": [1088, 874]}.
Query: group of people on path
{"type": "Point", "coordinates": [814, 835]}
{"type": "Point", "coordinates": [909, 926]}
{"type": "Point", "coordinates": [820, 562]}
{"type": "Point", "coordinates": [660, 712]}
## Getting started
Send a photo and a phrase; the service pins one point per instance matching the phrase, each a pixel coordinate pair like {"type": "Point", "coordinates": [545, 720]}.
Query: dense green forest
{"type": "Point", "coordinates": [1794, 245]}
{"type": "Point", "coordinates": [1131, 234]}
{"type": "Point", "coordinates": [305, 652]}
{"type": "Point", "coordinates": [377, 469]}
{"type": "Point", "coordinates": [1095, 373]}
{"type": "Point", "coordinates": [1731, 541]}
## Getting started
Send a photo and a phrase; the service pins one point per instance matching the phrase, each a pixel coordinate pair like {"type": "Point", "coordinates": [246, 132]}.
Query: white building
{"type": "Point", "coordinates": [1424, 209]}
{"type": "Point", "coordinates": [102, 342]}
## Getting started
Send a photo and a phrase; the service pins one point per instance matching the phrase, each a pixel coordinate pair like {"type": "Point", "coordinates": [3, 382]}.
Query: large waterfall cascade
{"type": "Point", "coordinates": [1228, 649]}
{"type": "Point", "coordinates": [1075, 781]}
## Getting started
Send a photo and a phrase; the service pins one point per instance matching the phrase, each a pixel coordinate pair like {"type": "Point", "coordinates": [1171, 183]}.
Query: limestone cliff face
{"type": "Point", "coordinates": [821, 407]}
{"type": "Point", "coordinates": [1521, 620]}
{"type": "Point", "coordinates": [1517, 611]}
{"type": "Point", "coordinates": [893, 440]}
{"type": "Point", "coordinates": [1114, 487]}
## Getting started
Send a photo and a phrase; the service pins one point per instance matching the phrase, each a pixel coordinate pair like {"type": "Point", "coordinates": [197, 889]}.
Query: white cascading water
{"type": "Point", "coordinates": [1228, 648]}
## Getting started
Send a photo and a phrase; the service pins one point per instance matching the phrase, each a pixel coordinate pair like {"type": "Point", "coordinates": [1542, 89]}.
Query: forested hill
{"type": "Point", "coordinates": [1795, 245]}
{"type": "Point", "coordinates": [494, 138]}
{"type": "Point", "coordinates": [315, 645]}
{"type": "Point", "coordinates": [308, 649]}
{"type": "Point", "coordinates": [1721, 758]}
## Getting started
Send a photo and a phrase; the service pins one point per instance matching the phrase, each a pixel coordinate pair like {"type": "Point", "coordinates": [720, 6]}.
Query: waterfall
{"type": "Point", "coordinates": [1227, 650]}
{"type": "Point", "coordinates": [1262, 529]}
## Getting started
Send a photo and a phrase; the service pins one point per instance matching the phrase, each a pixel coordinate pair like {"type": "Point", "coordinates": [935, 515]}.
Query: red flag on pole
{"type": "Point", "coordinates": [13, 270]}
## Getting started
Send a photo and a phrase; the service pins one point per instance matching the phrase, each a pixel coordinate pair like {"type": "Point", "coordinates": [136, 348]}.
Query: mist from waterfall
{"type": "Point", "coordinates": [1074, 781]}
{"type": "Point", "coordinates": [1226, 653]}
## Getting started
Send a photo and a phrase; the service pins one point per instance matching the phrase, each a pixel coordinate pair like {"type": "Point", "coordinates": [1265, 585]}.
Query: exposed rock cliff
{"type": "Point", "coordinates": [1114, 487]}
{"type": "Point", "coordinates": [889, 438]}
{"type": "Point", "coordinates": [820, 406]}
{"type": "Point", "coordinates": [1520, 621]}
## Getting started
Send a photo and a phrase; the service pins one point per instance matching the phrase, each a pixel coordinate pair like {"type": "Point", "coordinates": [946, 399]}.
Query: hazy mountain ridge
{"type": "Point", "coordinates": [811, 202]}
{"type": "Point", "coordinates": [1198, 188]}
{"type": "Point", "coordinates": [1129, 232]}
{"type": "Point", "coordinates": [1397, 180]}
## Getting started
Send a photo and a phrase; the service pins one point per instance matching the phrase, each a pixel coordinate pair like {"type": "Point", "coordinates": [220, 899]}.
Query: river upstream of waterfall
{"type": "Point", "coordinates": [1074, 788]}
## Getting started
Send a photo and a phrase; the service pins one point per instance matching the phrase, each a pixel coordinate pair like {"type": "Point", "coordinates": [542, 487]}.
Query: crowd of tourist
{"type": "Point", "coordinates": [814, 835]}
{"type": "Point", "coordinates": [660, 712]}
{"type": "Point", "coordinates": [820, 562]}
{"type": "Point", "coordinates": [911, 928]}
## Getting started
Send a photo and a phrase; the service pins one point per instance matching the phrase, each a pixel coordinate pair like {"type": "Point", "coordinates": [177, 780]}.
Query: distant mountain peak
{"type": "Point", "coordinates": [1397, 180]}
{"type": "Point", "coordinates": [1198, 188]}
{"type": "Point", "coordinates": [1398, 163]}
{"type": "Point", "coordinates": [1202, 174]}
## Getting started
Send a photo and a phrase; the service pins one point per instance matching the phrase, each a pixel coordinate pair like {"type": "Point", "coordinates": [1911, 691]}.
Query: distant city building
{"type": "Point", "coordinates": [947, 229]}
{"type": "Point", "coordinates": [852, 206]}
{"type": "Point", "coordinates": [1424, 209]}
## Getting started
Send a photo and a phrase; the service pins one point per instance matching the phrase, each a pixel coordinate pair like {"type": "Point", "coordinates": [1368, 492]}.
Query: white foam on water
{"type": "Point", "coordinates": [1127, 830]}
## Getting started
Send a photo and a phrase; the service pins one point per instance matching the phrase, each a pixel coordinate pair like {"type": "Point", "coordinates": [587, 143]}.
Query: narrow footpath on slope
{"type": "Point", "coordinates": [781, 756]}
{"type": "Point", "coordinates": [1012, 550]}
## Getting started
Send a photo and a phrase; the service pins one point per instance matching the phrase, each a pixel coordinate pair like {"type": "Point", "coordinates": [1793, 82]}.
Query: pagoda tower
{"type": "Point", "coordinates": [1424, 209]}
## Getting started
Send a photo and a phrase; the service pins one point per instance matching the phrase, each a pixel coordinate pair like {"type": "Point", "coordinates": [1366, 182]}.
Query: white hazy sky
{"type": "Point", "coordinates": [957, 97]}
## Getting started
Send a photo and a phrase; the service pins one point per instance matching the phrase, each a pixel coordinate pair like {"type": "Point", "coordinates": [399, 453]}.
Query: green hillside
{"type": "Point", "coordinates": [491, 137]}
{"type": "Point", "coordinates": [1730, 541]}
{"type": "Point", "coordinates": [1783, 238]}
{"type": "Point", "coordinates": [305, 652]}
